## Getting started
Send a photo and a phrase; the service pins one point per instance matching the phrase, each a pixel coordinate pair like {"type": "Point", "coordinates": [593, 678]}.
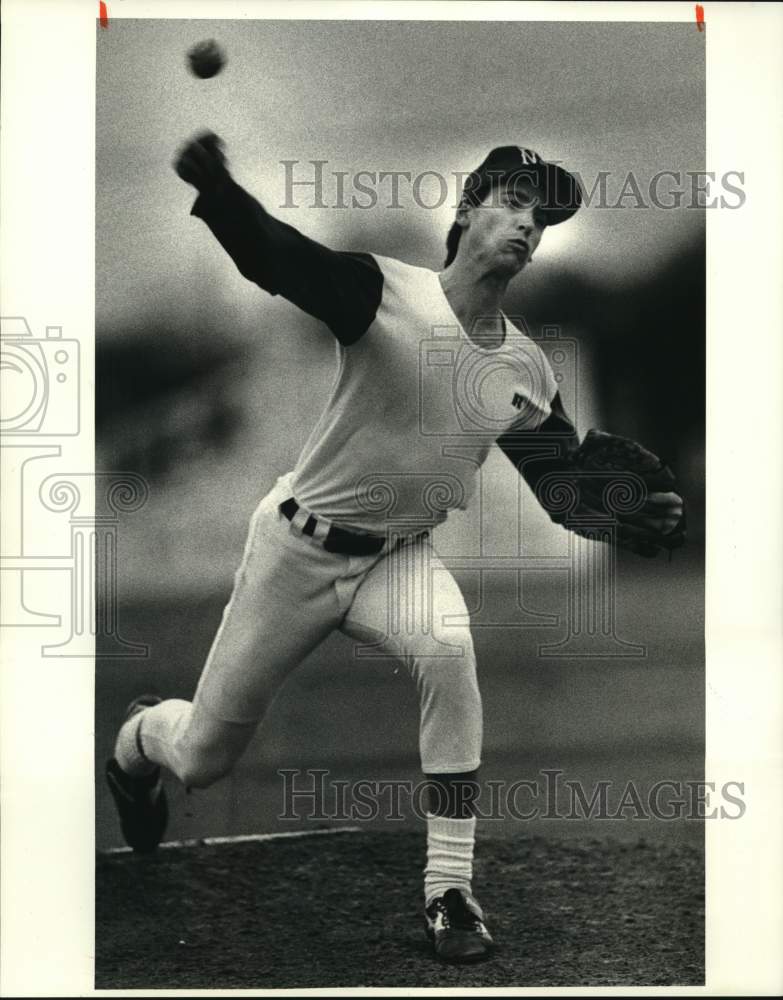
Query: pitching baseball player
{"type": "Point", "coordinates": [330, 543]}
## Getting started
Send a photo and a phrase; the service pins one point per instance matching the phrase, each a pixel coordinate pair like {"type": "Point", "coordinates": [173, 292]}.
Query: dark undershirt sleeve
{"type": "Point", "coordinates": [343, 290]}
{"type": "Point", "coordinates": [537, 453]}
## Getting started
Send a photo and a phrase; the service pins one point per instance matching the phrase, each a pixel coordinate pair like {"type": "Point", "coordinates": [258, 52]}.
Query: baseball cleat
{"type": "Point", "coordinates": [140, 801]}
{"type": "Point", "coordinates": [457, 932]}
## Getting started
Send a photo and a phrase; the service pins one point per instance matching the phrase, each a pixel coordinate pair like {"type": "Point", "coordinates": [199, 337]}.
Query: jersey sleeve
{"type": "Point", "coordinates": [537, 453]}
{"type": "Point", "coordinates": [343, 290]}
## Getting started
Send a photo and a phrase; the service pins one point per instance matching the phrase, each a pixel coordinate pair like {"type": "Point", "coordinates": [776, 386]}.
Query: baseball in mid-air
{"type": "Point", "coordinates": [206, 59]}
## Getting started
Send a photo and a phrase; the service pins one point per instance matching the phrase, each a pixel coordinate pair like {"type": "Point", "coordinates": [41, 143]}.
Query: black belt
{"type": "Point", "coordinates": [348, 543]}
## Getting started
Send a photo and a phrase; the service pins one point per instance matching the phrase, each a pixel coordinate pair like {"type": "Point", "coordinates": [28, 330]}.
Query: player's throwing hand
{"type": "Point", "coordinates": [202, 162]}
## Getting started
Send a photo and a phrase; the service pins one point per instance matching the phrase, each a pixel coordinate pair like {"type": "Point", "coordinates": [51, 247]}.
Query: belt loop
{"type": "Point", "coordinates": [299, 520]}
{"type": "Point", "coordinates": [321, 530]}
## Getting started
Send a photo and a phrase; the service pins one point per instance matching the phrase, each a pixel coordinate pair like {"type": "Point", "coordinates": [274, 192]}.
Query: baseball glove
{"type": "Point", "coordinates": [619, 482]}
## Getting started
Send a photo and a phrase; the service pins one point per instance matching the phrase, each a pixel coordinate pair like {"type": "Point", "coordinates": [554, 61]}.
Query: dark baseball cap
{"type": "Point", "coordinates": [562, 194]}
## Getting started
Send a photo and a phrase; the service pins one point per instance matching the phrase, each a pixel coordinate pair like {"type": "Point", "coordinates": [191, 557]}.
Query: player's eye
{"type": "Point", "coordinates": [520, 200]}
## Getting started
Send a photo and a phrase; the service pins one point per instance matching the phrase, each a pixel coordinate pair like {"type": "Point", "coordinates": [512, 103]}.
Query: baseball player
{"type": "Point", "coordinates": [344, 540]}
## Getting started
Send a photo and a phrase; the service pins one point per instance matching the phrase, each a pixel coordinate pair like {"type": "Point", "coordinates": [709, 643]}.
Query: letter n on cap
{"type": "Point", "coordinates": [528, 155]}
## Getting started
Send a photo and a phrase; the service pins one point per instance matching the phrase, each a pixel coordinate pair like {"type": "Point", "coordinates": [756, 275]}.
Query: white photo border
{"type": "Point", "coordinates": [48, 253]}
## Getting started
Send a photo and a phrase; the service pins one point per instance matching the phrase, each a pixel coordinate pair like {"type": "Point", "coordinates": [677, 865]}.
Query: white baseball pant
{"type": "Point", "coordinates": [289, 594]}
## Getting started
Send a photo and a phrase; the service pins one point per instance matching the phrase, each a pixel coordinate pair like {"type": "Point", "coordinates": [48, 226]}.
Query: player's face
{"type": "Point", "coordinates": [506, 228]}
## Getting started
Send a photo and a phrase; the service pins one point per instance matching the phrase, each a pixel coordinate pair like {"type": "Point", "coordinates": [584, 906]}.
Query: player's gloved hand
{"type": "Point", "coordinates": [661, 513]}
{"type": "Point", "coordinates": [202, 162]}
{"type": "Point", "coordinates": [657, 524]}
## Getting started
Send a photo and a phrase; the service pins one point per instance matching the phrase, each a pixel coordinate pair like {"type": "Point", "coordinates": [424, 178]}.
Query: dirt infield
{"type": "Point", "coordinates": [346, 911]}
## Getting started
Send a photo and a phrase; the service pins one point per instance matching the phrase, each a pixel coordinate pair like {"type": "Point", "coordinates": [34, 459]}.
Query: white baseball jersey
{"type": "Point", "coordinates": [415, 409]}
{"type": "Point", "coordinates": [416, 404]}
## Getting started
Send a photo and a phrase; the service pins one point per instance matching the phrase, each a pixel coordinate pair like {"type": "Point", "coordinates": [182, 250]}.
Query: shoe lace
{"type": "Point", "coordinates": [456, 912]}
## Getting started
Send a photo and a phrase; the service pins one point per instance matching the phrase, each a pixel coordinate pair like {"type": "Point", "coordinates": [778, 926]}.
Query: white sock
{"type": "Point", "coordinates": [127, 749]}
{"type": "Point", "coordinates": [449, 857]}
